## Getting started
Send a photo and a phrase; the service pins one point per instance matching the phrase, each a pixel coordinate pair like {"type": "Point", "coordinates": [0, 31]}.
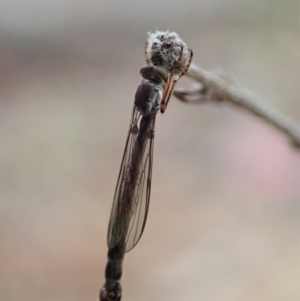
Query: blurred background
{"type": "Point", "coordinates": [224, 215]}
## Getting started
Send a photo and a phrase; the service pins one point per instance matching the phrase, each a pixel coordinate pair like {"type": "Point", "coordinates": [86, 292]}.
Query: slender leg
{"type": "Point", "coordinates": [170, 90]}
{"type": "Point", "coordinates": [147, 60]}
{"type": "Point", "coordinates": [167, 88]}
{"type": "Point", "coordinates": [168, 95]}
{"type": "Point", "coordinates": [188, 65]}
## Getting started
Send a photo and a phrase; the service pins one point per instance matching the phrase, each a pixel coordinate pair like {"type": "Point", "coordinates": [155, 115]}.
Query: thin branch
{"type": "Point", "coordinates": [215, 87]}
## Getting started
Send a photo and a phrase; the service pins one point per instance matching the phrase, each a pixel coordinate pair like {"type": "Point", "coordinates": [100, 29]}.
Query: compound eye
{"type": "Point", "coordinates": [161, 73]}
{"type": "Point", "coordinates": [155, 73]}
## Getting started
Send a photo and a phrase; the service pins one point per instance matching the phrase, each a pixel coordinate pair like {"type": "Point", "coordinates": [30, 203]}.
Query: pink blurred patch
{"type": "Point", "coordinates": [259, 158]}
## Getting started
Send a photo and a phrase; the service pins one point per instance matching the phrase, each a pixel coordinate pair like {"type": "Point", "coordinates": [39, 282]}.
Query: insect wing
{"type": "Point", "coordinates": [129, 211]}
{"type": "Point", "coordinates": [142, 191]}
{"type": "Point", "coordinates": [118, 216]}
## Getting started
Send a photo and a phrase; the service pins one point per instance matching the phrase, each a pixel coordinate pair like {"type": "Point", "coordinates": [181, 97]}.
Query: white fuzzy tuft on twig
{"type": "Point", "coordinates": [167, 50]}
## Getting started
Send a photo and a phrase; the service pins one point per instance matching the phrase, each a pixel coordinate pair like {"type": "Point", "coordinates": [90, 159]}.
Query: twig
{"type": "Point", "coordinates": [216, 87]}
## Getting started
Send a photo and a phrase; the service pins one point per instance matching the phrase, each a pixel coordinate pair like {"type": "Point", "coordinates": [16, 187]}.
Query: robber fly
{"type": "Point", "coordinates": [132, 195]}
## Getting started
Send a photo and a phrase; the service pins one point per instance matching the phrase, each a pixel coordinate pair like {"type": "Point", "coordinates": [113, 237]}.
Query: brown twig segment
{"type": "Point", "coordinates": [214, 87]}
